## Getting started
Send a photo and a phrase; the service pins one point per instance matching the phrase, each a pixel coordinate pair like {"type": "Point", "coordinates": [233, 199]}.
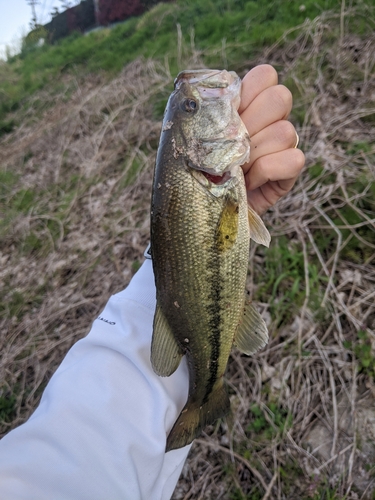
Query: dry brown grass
{"type": "Point", "coordinates": [76, 244]}
{"type": "Point", "coordinates": [87, 160]}
{"type": "Point", "coordinates": [319, 387]}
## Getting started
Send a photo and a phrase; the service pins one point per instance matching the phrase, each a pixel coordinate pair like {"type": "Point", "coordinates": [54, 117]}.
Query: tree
{"type": "Point", "coordinates": [67, 4]}
{"type": "Point", "coordinates": [55, 12]}
{"type": "Point", "coordinates": [34, 21]}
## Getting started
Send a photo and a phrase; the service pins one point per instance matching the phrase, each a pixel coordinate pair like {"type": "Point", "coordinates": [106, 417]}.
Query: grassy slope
{"type": "Point", "coordinates": [75, 182]}
{"type": "Point", "coordinates": [239, 27]}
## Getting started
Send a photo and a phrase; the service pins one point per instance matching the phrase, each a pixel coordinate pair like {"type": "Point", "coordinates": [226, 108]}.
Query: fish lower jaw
{"type": "Point", "coordinates": [217, 179]}
{"type": "Point", "coordinates": [210, 178]}
{"type": "Point", "coordinates": [216, 185]}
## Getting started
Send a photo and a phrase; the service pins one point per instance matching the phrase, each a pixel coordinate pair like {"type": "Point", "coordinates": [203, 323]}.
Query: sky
{"type": "Point", "coordinates": [15, 17]}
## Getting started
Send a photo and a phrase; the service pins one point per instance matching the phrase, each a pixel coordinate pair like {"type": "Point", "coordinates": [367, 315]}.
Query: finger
{"type": "Point", "coordinates": [255, 81]}
{"type": "Point", "coordinates": [264, 197]}
{"type": "Point", "coordinates": [271, 105]}
{"type": "Point", "coordinates": [276, 137]}
{"type": "Point", "coordinates": [282, 167]}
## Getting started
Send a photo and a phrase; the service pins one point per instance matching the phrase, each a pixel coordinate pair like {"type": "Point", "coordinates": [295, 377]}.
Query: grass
{"type": "Point", "coordinates": [224, 33]}
{"type": "Point", "coordinates": [76, 159]}
{"type": "Point", "coordinates": [363, 352]}
{"type": "Point", "coordinates": [281, 282]}
{"type": "Point", "coordinates": [7, 406]}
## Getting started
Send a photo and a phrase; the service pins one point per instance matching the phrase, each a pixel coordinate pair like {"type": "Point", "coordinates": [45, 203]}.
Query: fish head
{"type": "Point", "coordinates": [205, 123]}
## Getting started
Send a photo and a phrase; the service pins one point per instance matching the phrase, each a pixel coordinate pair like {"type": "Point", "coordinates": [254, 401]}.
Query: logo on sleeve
{"type": "Point", "coordinates": [106, 320]}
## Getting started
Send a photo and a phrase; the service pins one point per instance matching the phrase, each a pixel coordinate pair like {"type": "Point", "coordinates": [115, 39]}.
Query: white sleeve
{"type": "Point", "coordinates": [100, 430]}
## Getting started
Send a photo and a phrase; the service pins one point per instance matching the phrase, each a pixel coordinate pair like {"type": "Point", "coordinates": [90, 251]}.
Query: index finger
{"type": "Point", "coordinates": [254, 82]}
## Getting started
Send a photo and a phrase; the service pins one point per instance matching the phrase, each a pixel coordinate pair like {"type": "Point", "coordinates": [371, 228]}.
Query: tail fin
{"type": "Point", "coordinates": [194, 418]}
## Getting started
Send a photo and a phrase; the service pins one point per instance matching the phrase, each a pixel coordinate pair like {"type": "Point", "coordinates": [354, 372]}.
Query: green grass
{"type": "Point", "coordinates": [7, 406]}
{"type": "Point", "coordinates": [29, 202]}
{"type": "Point", "coordinates": [364, 353]}
{"type": "Point", "coordinates": [269, 424]}
{"type": "Point", "coordinates": [16, 303]}
{"type": "Point", "coordinates": [349, 216]}
{"type": "Point", "coordinates": [282, 283]}
{"type": "Point", "coordinates": [226, 33]}
{"type": "Point", "coordinates": [7, 180]}
{"type": "Point", "coordinates": [237, 494]}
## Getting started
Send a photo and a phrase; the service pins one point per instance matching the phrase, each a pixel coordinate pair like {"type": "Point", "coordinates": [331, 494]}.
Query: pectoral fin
{"type": "Point", "coordinates": [252, 333]}
{"type": "Point", "coordinates": [258, 231]}
{"type": "Point", "coordinates": [165, 353]}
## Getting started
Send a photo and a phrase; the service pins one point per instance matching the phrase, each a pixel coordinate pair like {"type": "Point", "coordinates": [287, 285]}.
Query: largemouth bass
{"type": "Point", "coordinates": [200, 235]}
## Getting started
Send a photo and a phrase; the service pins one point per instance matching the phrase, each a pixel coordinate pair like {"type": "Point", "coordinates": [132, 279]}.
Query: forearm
{"type": "Point", "coordinates": [100, 429]}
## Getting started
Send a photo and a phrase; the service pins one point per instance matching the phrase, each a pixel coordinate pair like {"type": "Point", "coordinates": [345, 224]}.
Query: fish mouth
{"type": "Point", "coordinates": [214, 78]}
{"type": "Point", "coordinates": [212, 180]}
{"type": "Point", "coordinates": [217, 179]}
{"type": "Point", "coordinates": [211, 83]}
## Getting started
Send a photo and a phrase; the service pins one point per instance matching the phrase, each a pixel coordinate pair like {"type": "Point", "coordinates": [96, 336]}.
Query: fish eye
{"type": "Point", "coordinates": [190, 105]}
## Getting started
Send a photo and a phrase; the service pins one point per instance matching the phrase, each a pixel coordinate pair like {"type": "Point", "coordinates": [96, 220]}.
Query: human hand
{"type": "Point", "coordinates": [275, 163]}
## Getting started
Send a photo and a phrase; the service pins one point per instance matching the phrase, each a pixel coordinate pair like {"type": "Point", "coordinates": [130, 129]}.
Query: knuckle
{"type": "Point", "coordinates": [299, 160]}
{"type": "Point", "coordinates": [282, 98]}
{"type": "Point", "coordinates": [262, 162]}
{"type": "Point", "coordinates": [286, 133]}
{"type": "Point", "coordinates": [296, 162]}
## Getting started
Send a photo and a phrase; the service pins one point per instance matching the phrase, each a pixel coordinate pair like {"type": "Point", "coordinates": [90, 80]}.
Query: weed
{"type": "Point", "coordinates": [6, 126]}
{"type": "Point", "coordinates": [159, 102]}
{"type": "Point", "coordinates": [16, 303]}
{"type": "Point", "coordinates": [319, 174]}
{"type": "Point", "coordinates": [268, 423]}
{"type": "Point", "coordinates": [23, 200]}
{"type": "Point", "coordinates": [131, 171]}
{"type": "Point", "coordinates": [7, 180]}
{"type": "Point", "coordinates": [281, 284]}
{"type": "Point", "coordinates": [325, 492]}
{"type": "Point", "coordinates": [135, 266]}
{"type": "Point", "coordinates": [364, 353]}
{"type": "Point", "coordinates": [238, 494]}
{"type": "Point", "coordinates": [7, 406]}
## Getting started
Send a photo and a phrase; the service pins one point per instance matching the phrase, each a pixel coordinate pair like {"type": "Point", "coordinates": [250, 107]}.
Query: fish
{"type": "Point", "coordinates": [201, 225]}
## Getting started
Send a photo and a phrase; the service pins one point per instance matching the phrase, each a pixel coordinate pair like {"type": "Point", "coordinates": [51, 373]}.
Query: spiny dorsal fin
{"type": "Point", "coordinates": [258, 231]}
{"type": "Point", "coordinates": [165, 353]}
{"type": "Point", "coordinates": [252, 333]}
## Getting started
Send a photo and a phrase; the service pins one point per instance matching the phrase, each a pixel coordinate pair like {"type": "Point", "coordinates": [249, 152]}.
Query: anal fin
{"type": "Point", "coordinates": [165, 352]}
{"type": "Point", "coordinates": [252, 333]}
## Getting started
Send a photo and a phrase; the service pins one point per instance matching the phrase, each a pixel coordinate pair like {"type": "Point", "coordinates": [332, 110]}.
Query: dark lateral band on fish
{"type": "Point", "coordinates": [215, 327]}
{"type": "Point", "coordinates": [201, 227]}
